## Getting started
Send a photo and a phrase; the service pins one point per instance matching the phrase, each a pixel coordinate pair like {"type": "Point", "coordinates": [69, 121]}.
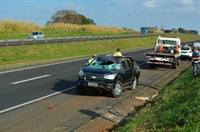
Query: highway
{"type": "Point", "coordinates": [27, 93]}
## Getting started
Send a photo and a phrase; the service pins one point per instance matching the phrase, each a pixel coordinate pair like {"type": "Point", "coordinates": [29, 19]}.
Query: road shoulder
{"type": "Point", "coordinates": [123, 112]}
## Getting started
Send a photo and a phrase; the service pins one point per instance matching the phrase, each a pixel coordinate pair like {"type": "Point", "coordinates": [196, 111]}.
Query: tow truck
{"type": "Point", "coordinates": [167, 52]}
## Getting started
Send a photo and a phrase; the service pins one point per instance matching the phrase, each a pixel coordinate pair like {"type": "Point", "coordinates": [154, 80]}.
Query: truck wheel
{"type": "Point", "coordinates": [134, 84]}
{"type": "Point", "coordinates": [175, 64]}
{"type": "Point", "coordinates": [81, 90]}
{"type": "Point", "coordinates": [117, 90]}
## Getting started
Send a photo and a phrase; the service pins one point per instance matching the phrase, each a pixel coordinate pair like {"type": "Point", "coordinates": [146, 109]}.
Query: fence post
{"type": "Point", "coordinates": [56, 40]}
{"type": "Point", "coordinates": [73, 38]}
{"type": "Point", "coordinates": [45, 40]}
{"type": "Point", "coordinates": [21, 41]}
{"type": "Point", "coordinates": [65, 39]}
{"type": "Point", "coordinates": [6, 42]}
{"type": "Point", "coordinates": [34, 41]}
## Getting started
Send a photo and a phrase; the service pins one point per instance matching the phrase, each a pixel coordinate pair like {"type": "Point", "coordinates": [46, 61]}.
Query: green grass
{"type": "Point", "coordinates": [177, 108]}
{"type": "Point", "coordinates": [35, 54]}
{"type": "Point", "coordinates": [52, 34]}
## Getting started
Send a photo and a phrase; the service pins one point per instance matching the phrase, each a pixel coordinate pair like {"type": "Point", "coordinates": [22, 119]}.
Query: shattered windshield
{"type": "Point", "coordinates": [103, 63]}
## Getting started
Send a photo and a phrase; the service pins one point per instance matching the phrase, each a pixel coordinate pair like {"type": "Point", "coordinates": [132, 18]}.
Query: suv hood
{"type": "Point", "coordinates": [98, 70]}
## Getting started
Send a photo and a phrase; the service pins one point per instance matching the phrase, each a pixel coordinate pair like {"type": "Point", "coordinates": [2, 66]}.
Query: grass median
{"type": "Point", "coordinates": [16, 56]}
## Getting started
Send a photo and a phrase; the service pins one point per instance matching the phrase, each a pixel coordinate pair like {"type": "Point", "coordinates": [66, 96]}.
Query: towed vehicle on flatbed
{"type": "Point", "coordinates": [108, 73]}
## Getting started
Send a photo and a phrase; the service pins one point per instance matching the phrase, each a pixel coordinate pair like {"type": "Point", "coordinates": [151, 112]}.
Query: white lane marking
{"type": "Point", "coordinates": [44, 97]}
{"type": "Point", "coordinates": [30, 79]}
{"type": "Point", "coordinates": [35, 100]}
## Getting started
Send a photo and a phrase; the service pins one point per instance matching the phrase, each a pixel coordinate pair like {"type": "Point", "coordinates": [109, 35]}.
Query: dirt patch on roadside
{"type": "Point", "coordinates": [119, 115]}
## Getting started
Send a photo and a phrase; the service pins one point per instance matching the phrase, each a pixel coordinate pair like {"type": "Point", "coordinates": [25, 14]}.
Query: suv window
{"type": "Point", "coordinates": [129, 63]}
{"type": "Point", "coordinates": [124, 66]}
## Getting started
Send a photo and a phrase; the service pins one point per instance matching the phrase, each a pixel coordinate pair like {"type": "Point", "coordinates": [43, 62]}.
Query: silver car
{"type": "Point", "coordinates": [186, 52]}
{"type": "Point", "coordinates": [34, 35]}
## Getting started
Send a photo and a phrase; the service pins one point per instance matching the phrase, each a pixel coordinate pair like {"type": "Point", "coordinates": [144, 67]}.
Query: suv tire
{"type": "Point", "coordinates": [117, 90]}
{"type": "Point", "coordinates": [81, 90]}
{"type": "Point", "coordinates": [134, 84]}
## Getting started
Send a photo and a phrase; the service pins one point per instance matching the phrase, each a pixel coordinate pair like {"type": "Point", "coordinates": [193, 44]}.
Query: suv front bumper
{"type": "Point", "coordinates": [107, 86]}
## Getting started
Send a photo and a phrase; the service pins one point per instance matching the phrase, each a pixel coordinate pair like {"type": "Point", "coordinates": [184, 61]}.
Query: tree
{"type": "Point", "coordinates": [66, 16]}
{"type": "Point", "coordinates": [90, 21]}
{"type": "Point", "coordinates": [70, 16]}
{"type": "Point", "coordinates": [181, 30]}
{"type": "Point", "coordinates": [193, 32]}
{"type": "Point", "coordinates": [162, 28]}
{"type": "Point", "coordinates": [155, 28]}
{"type": "Point", "coordinates": [85, 20]}
{"type": "Point", "coordinates": [174, 30]}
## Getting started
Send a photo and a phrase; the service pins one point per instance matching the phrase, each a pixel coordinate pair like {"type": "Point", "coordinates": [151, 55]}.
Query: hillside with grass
{"type": "Point", "coordinates": [20, 30]}
{"type": "Point", "coordinates": [175, 109]}
{"type": "Point", "coordinates": [42, 53]}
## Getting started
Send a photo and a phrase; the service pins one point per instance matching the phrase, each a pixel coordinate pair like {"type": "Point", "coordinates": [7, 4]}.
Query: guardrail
{"type": "Point", "coordinates": [15, 42]}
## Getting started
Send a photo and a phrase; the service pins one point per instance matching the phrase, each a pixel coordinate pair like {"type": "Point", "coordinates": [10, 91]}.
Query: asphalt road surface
{"type": "Point", "coordinates": [43, 98]}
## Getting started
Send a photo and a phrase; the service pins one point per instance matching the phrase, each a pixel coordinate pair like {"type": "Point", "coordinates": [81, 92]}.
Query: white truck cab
{"type": "Point", "coordinates": [169, 45]}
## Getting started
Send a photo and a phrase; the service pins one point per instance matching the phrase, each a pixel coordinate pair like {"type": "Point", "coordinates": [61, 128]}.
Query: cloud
{"type": "Point", "coordinates": [169, 6]}
{"type": "Point", "coordinates": [153, 3]}
{"type": "Point", "coordinates": [187, 2]}
{"type": "Point", "coordinates": [123, 3]}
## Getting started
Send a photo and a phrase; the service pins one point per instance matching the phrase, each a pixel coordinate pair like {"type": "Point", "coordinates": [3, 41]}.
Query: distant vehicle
{"type": "Point", "coordinates": [167, 31]}
{"type": "Point", "coordinates": [186, 52]}
{"type": "Point", "coordinates": [197, 45]}
{"type": "Point", "coordinates": [36, 35]}
{"type": "Point", "coordinates": [146, 30]}
{"type": "Point", "coordinates": [108, 73]}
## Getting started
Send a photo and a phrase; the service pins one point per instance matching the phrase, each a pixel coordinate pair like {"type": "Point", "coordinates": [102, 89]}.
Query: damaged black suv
{"type": "Point", "coordinates": [108, 73]}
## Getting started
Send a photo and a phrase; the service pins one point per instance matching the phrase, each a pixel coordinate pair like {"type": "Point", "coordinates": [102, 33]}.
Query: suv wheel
{"type": "Point", "coordinates": [134, 84]}
{"type": "Point", "coordinates": [81, 90]}
{"type": "Point", "coordinates": [117, 91]}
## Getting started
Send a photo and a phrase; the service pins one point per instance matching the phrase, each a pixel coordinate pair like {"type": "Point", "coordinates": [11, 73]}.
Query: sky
{"type": "Point", "coordinates": [129, 14]}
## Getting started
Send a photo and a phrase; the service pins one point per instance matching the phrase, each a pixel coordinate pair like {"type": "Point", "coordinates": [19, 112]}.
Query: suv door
{"type": "Point", "coordinates": [127, 71]}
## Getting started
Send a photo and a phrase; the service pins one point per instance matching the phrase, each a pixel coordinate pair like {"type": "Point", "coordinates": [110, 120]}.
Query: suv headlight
{"type": "Point", "coordinates": [110, 76]}
{"type": "Point", "coordinates": [81, 73]}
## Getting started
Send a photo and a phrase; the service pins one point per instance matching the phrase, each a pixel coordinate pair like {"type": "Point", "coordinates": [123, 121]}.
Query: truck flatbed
{"type": "Point", "coordinates": [161, 54]}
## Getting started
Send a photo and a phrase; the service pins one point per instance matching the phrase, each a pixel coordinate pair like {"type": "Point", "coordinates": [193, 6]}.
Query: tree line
{"type": "Point", "coordinates": [71, 17]}
{"type": "Point", "coordinates": [179, 30]}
